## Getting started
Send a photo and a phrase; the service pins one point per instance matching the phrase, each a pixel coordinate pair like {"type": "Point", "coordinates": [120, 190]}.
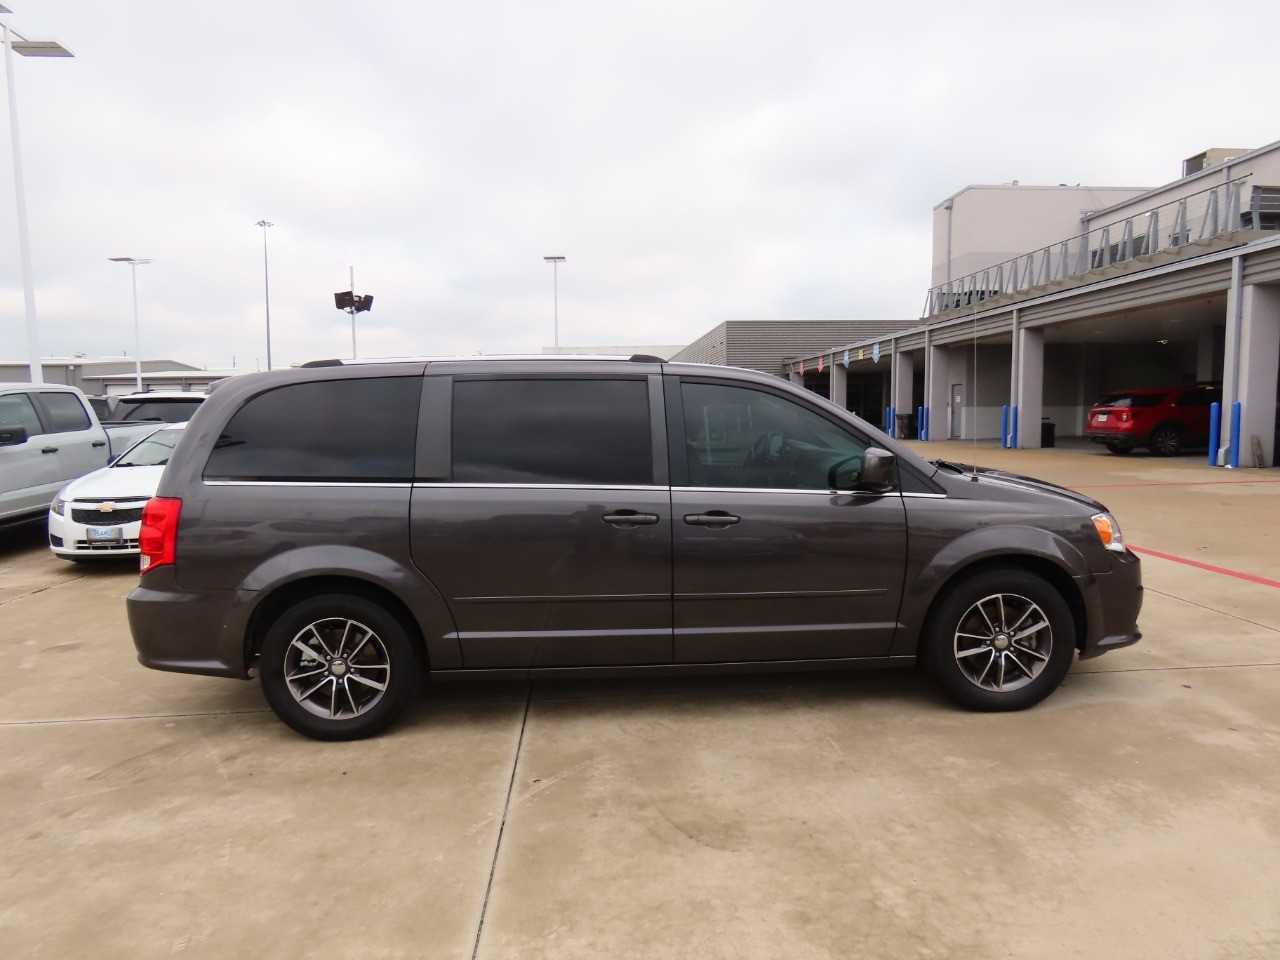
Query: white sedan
{"type": "Point", "coordinates": [100, 514]}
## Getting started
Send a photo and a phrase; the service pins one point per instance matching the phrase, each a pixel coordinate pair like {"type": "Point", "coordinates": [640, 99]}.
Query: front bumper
{"type": "Point", "coordinates": [1113, 601]}
{"type": "Point", "coordinates": [68, 538]}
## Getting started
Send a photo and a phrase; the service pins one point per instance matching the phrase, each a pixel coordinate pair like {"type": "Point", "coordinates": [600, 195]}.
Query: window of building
{"type": "Point", "coordinates": [331, 430]}
{"type": "Point", "coordinates": [577, 431]}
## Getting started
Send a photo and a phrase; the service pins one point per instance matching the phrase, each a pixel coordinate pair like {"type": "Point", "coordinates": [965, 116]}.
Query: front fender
{"type": "Point", "coordinates": [929, 573]}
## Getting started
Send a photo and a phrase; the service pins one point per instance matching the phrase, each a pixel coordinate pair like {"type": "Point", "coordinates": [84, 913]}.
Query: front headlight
{"type": "Point", "coordinates": [59, 506]}
{"type": "Point", "coordinates": [1109, 532]}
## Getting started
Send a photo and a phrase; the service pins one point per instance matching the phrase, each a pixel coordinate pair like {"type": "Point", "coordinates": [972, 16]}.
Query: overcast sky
{"type": "Point", "coordinates": [694, 161]}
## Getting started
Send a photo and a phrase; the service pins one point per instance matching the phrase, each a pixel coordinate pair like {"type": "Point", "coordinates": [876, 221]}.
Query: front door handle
{"type": "Point", "coordinates": [49, 450]}
{"type": "Point", "coordinates": [714, 518]}
{"type": "Point", "coordinates": [630, 518]}
{"type": "Point", "coordinates": [99, 443]}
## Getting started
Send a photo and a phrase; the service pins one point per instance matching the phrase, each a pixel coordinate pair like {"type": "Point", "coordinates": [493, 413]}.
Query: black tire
{"type": "Point", "coordinates": [1165, 441]}
{"type": "Point", "coordinates": [969, 641]}
{"type": "Point", "coordinates": [338, 667]}
{"type": "Point", "coordinates": [1119, 448]}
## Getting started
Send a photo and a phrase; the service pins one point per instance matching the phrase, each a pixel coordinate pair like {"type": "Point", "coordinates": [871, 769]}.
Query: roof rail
{"type": "Point", "coordinates": [645, 358]}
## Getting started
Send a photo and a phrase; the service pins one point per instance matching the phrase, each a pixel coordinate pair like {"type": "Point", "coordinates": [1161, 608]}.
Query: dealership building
{"type": "Point", "coordinates": [1045, 297]}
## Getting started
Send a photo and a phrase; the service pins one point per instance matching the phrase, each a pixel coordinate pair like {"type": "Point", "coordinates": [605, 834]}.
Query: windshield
{"type": "Point", "coordinates": [151, 452]}
{"type": "Point", "coordinates": [160, 411]}
{"type": "Point", "coordinates": [1131, 400]}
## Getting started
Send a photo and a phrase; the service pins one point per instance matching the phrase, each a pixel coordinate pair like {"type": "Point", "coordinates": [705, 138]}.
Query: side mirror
{"type": "Point", "coordinates": [12, 436]}
{"type": "Point", "coordinates": [879, 470]}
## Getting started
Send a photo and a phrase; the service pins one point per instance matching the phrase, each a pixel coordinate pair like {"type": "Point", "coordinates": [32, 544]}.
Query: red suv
{"type": "Point", "coordinates": [1162, 419]}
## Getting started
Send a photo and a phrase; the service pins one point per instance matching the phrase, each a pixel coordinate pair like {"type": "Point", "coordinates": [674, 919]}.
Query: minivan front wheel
{"type": "Point", "coordinates": [338, 667]}
{"type": "Point", "coordinates": [1001, 640]}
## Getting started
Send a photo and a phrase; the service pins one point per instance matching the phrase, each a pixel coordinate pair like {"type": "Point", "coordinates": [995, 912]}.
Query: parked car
{"type": "Point", "coordinates": [339, 528]}
{"type": "Point", "coordinates": [100, 514]}
{"type": "Point", "coordinates": [135, 415]}
{"type": "Point", "coordinates": [48, 435]}
{"type": "Point", "coordinates": [101, 407]}
{"type": "Point", "coordinates": [1165, 420]}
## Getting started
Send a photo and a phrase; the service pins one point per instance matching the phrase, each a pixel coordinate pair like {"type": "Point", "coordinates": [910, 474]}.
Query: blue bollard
{"type": "Point", "coordinates": [1235, 435]}
{"type": "Point", "coordinates": [926, 423]}
{"type": "Point", "coordinates": [1215, 432]}
{"type": "Point", "coordinates": [919, 423]}
{"type": "Point", "coordinates": [1013, 444]}
{"type": "Point", "coordinates": [1004, 427]}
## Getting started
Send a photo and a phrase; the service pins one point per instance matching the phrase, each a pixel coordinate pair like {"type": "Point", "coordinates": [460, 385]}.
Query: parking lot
{"type": "Point", "coordinates": [1134, 814]}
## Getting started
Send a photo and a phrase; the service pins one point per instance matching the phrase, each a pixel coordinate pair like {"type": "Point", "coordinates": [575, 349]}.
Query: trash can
{"type": "Point", "coordinates": [906, 426]}
{"type": "Point", "coordinates": [1046, 432]}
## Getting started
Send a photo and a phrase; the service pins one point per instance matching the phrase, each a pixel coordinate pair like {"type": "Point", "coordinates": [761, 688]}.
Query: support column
{"type": "Point", "coordinates": [1231, 359]}
{"type": "Point", "coordinates": [839, 384]}
{"type": "Point", "coordinates": [1259, 351]}
{"type": "Point", "coordinates": [903, 376]}
{"type": "Point", "coordinates": [794, 376]}
{"type": "Point", "coordinates": [1030, 395]}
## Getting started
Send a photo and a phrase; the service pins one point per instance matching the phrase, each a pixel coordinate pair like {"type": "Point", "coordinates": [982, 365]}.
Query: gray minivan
{"type": "Point", "coordinates": [342, 529]}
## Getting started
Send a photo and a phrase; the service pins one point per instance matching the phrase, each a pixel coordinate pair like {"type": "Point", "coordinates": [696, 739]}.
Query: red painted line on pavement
{"type": "Point", "coordinates": [1207, 566]}
{"type": "Point", "coordinates": [1168, 483]}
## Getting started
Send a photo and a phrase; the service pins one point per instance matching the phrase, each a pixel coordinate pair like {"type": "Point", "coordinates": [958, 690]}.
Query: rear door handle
{"type": "Point", "coordinates": [99, 443]}
{"type": "Point", "coordinates": [49, 450]}
{"type": "Point", "coordinates": [715, 518]}
{"type": "Point", "coordinates": [630, 518]}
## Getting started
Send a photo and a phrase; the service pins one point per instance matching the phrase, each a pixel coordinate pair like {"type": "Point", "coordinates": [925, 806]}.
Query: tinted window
{"type": "Point", "coordinates": [337, 430]}
{"type": "Point", "coordinates": [16, 410]}
{"type": "Point", "coordinates": [552, 431]}
{"type": "Point", "coordinates": [161, 411]}
{"type": "Point", "coordinates": [66, 412]}
{"type": "Point", "coordinates": [1131, 400]}
{"type": "Point", "coordinates": [739, 437]}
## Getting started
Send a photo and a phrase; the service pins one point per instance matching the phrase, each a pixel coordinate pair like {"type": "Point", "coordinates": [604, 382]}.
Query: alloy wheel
{"type": "Point", "coordinates": [1003, 642]}
{"type": "Point", "coordinates": [337, 668]}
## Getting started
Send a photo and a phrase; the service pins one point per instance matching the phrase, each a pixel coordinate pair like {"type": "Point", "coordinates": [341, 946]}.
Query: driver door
{"type": "Point", "coordinates": [776, 556]}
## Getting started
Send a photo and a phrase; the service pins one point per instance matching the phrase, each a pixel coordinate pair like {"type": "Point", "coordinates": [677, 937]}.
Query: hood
{"type": "Point", "coordinates": [1019, 482]}
{"type": "Point", "coordinates": [122, 483]}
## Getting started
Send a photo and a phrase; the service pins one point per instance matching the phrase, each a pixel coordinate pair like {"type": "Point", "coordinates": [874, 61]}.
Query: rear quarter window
{"type": "Point", "coordinates": [330, 430]}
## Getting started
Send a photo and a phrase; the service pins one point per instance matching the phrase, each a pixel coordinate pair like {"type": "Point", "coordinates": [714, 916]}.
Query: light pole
{"type": "Point", "coordinates": [266, 284]}
{"type": "Point", "coordinates": [27, 48]}
{"type": "Point", "coordinates": [133, 263]}
{"type": "Point", "coordinates": [555, 292]}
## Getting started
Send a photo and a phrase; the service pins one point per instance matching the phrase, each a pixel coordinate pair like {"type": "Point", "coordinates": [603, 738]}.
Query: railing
{"type": "Point", "coordinates": [1211, 212]}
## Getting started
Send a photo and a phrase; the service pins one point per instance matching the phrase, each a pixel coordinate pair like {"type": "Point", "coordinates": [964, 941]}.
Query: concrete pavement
{"type": "Point", "coordinates": [1133, 814]}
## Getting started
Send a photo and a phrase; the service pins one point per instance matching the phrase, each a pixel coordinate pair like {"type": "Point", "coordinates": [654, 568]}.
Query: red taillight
{"type": "Point", "coordinates": [158, 541]}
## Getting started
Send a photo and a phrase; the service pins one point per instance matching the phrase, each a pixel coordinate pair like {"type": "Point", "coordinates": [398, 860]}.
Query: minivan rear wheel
{"type": "Point", "coordinates": [1002, 639]}
{"type": "Point", "coordinates": [338, 667]}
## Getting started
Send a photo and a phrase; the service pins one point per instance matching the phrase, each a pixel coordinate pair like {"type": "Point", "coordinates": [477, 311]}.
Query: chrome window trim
{"type": "Point", "coordinates": [806, 492]}
{"type": "Point", "coordinates": [925, 496]}
{"type": "Point", "coordinates": [307, 483]}
{"type": "Point", "coordinates": [639, 488]}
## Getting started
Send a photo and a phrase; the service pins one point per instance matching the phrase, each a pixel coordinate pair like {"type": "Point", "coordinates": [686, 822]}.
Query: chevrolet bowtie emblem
{"type": "Point", "coordinates": [106, 507]}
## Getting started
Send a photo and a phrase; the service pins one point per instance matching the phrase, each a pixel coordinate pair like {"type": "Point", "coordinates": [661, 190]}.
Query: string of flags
{"type": "Point", "coordinates": [862, 355]}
